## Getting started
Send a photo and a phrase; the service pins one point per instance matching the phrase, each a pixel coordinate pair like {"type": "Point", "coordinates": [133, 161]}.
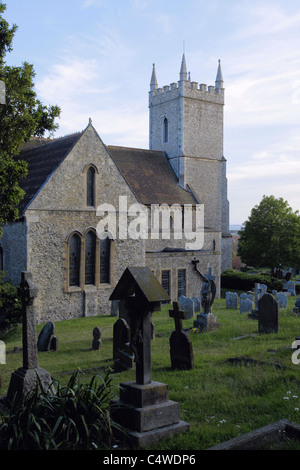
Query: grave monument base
{"type": "Point", "coordinates": [206, 322]}
{"type": "Point", "coordinates": [24, 381]}
{"type": "Point", "coordinates": [146, 413]}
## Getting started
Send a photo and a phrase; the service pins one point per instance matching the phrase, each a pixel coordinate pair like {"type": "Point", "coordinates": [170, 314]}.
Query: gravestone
{"type": "Point", "coordinates": [290, 287]}
{"type": "Point", "coordinates": [187, 305]}
{"type": "Point", "coordinates": [181, 348]}
{"type": "Point", "coordinates": [268, 316]}
{"type": "Point", "coordinates": [281, 299]}
{"type": "Point", "coordinates": [246, 305]}
{"type": "Point", "coordinates": [114, 308]}
{"type": "Point", "coordinates": [231, 300]}
{"type": "Point", "coordinates": [47, 341]}
{"type": "Point", "coordinates": [144, 409]}
{"type": "Point", "coordinates": [206, 321]}
{"type": "Point", "coordinates": [96, 344]}
{"type": "Point", "coordinates": [263, 289]}
{"type": "Point", "coordinates": [296, 309]}
{"type": "Point", "coordinates": [24, 380]}
{"type": "Point", "coordinates": [196, 304]}
{"type": "Point", "coordinates": [122, 354]}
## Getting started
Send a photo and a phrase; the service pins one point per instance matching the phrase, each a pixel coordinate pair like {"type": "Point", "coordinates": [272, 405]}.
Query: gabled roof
{"type": "Point", "coordinates": [147, 172]}
{"type": "Point", "coordinates": [150, 176]}
{"type": "Point", "coordinates": [43, 158]}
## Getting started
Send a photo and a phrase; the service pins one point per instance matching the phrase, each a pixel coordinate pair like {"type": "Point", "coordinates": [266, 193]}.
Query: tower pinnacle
{"type": "Point", "coordinates": [153, 83]}
{"type": "Point", "coordinates": [219, 79]}
{"type": "Point", "coordinates": [183, 70]}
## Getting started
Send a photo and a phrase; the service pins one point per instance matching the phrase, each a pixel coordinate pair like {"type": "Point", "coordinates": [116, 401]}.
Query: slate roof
{"type": "Point", "coordinates": [148, 173]}
{"type": "Point", "coordinates": [150, 176]}
{"type": "Point", "coordinates": [43, 159]}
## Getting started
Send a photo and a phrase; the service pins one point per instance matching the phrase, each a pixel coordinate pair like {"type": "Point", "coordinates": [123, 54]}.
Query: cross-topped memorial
{"type": "Point", "coordinates": [145, 411]}
{"type": "Point", "coordinates": [24, 379]}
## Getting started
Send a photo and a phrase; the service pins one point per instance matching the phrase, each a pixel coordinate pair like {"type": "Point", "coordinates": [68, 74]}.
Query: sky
{"type": "Point", "coordinates": [93, 58]}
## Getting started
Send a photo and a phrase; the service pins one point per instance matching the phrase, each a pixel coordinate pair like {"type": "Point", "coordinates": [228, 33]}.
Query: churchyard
{"type": "Point", "coordinates": [241, 380]}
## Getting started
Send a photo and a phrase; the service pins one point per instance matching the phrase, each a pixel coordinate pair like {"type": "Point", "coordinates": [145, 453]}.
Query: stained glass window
{"type": "Point", "coordinates": [90, 257]}
{"type": "Point", "coordinates": [105, 245]}
{"type": "Point", "coordinates": [74, 261]}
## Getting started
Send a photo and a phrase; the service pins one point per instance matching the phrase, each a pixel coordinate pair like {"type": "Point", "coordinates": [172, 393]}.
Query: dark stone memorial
{"type": "Point", "coordinates": [122, 353]}
{"type": "Point", "coordinates": [144, 408]}
{"type": "Point", "coordinates": [96, 344]}
{"type": "Point", "coordinates": [24, 380]}
{"type": "Point", "coordinates": [181, 348]}
{"type": "Point", "coordinates": [268, 314]}
{"type": "Point", "coordinates": [47, 341]}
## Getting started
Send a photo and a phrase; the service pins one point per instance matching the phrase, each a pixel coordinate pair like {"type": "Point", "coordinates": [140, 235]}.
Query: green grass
{"type": "Point", "coordinates": [219, 399]}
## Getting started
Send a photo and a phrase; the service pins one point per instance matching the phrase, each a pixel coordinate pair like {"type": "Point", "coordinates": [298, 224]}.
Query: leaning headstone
{"type": "Point", "coordinates": [24, 380]}
{"type": "Point", "coordinates": [187, 305]}
{"type": "Point", "coordinates": [47, 341]}
{"type": "Point", "coordinates": [196, 304]}
{"type": "Point", "coordinates": [268, 314]}
{"type": "Point", "coordinates": [96, 344]}
{"type": "Point", "coordinates": [246, 305]}
{"type": "Point", "coordinates": [281, 299]}
{"type": "Point", "coordinates": [231, 300]}
{"type": "Point", "coordinates": [144, 410]}
{"type": "Point", "coordinates": [181, 348]}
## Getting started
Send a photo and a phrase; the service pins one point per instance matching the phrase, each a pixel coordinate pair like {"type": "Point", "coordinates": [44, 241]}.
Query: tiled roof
{"type": "Point", "coordinates": [150, 176]}
{"type": "Point", "coordinates": [43, 159]}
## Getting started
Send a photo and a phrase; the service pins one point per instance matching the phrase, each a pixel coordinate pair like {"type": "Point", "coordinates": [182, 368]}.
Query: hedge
{"type": "Point", "coordinates": [232, 279]}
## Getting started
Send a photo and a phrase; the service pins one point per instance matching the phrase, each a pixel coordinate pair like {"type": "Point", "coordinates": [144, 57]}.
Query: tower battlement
{"type": "Point", "coordinates": [189, 89]}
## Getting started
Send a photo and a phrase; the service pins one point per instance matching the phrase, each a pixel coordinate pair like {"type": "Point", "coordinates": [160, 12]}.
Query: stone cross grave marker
{"type": "Point", "coordinates": [181, 348]}
{"type": "Point", "coordinates": [268, 316]}
{"type": "Point", "coordinates": [24, 379]}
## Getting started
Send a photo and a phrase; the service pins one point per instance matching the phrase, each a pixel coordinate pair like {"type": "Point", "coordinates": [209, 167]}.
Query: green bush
{"type": "Point", "coordinates": [232, 279]}
{"type": "Point", "coordinates": [10, 304]}
{"type": "Point", "coordinates": [73, 417]}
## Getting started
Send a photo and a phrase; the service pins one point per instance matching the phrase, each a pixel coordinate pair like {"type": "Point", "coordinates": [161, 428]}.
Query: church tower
{"type": "Point", "coordinates": [186, 122]}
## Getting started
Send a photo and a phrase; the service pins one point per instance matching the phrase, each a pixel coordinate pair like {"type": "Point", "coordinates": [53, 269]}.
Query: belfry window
{"type": "Point", "coordinates": [166, 130]}
{"type": "Point", "coordinates": [74, 260]}
{"type": "Point", "coordinates": [90, 187]}
{"type": "Point", "coordinates": [90, 258]}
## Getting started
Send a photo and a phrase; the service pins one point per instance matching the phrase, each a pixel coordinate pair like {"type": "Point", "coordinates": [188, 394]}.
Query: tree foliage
{"type": "Point", "coordinates": [271, 235]}
{"type": "Point", "coordinates": [22, 116]}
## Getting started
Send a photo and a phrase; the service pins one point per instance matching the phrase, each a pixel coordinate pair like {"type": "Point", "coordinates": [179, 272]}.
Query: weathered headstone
{"type": "Point", "coordinates": [231, 300]}
{"type": "Point", "coordinates": [246, 305]}
{"type": "Point", "coordinates": [187, 305]}
{"type": "Point", "coordinates": [47, 341]}
{"type": "Point", "coordinates": [290, 287]}
{"type": "Point", "coordinates": [268, 314]}
{"type": "Point", "coordinates": [144, 410]}
{"type": "Point", "coordinates": [24, 380]}
{"type": "Point", "coordinates": [263, 289]}
{"type": "Point", "coordinates": [122, 354]}
{"type": "Point", "coordinates": [114, 309]}
{"type": "Point", "coordinates": [181, 348]}
{"type": "Point", "coordinates": [281, 299]}
{"type": "Point", "coordinates": [2, 352]}
{"type": "Point", "coordinates": [196, 304]}
{"type": "Point", "coordinates": [96, 344]}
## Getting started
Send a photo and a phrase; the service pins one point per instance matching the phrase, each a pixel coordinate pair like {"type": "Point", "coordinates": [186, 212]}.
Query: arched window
{"type": "Point", "coordinates": [74, 260]}
{"type": "Point", "coordinates": [105, 247]}
{"type": "Point", "coordinates": [166, 130]}
{"type": "Point", "coordinates": [90, 187]}
{"type": "Point", "coordinates": [90, 258]}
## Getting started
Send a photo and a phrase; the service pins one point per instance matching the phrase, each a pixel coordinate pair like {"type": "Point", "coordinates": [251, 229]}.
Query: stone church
{"type": "Point", "coordinates": [77, 182]}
